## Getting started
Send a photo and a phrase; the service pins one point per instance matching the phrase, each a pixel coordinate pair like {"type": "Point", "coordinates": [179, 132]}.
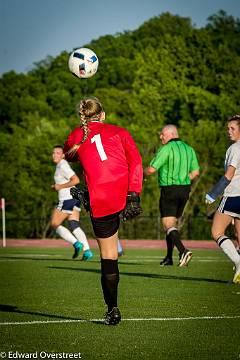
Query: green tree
{"type": "Point", "coordinates": [166, 71]}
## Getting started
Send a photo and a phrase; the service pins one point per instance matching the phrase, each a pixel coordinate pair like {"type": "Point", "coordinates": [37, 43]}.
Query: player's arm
{"type": "Point", "coordinates": [135, 170]}
{"type": "Point", "coordinates": [219, 188]}
{"type": "Point", "coordinates": [135, 178]}
{"type": "Point", "coordinates": [229, 174]}
{"type": "Point", "coordinates": [157, 162]}
{"type": "Point", "coordinates": [194, 168]}
{"type": "Point", "coordinates": [149, 171]}
{"type": "Point", "coordinates": [74, 180]}
{"type": "Point", "coordinates": [193, 174]}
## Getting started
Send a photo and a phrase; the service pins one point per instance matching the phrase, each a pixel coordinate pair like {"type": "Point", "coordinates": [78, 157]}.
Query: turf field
{"type": "Point", "coordinates": [52, 307]}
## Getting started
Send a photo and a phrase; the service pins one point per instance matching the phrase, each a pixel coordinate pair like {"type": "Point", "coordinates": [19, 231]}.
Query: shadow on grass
{"type": "Point", "coordinates": [62, 259]}
{"type": "Point", "coordinates": [15, 309]}
{"type": "Point", "coordinates": [46, 258]}
{"type": "Point", "coordinates": [147, 275]}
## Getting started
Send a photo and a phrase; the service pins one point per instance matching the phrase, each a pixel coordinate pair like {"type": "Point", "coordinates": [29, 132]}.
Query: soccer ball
{"type": "Point", "coordinates": [83, 63]}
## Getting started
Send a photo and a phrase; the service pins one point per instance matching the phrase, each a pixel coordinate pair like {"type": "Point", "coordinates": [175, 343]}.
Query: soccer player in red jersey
{"type": "Point", "coordinates": [113, 173]}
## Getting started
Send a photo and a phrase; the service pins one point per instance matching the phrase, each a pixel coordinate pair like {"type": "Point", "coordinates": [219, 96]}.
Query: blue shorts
{"type": "Point", "coordinates": [230, 206]}
{"type": "Point", "coordinates": [67, 206]}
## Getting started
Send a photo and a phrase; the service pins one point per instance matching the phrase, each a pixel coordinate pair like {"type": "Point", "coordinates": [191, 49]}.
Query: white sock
{"type": "Point", "coordinates": [66, 234]}
{"type": "Point", "coordinates": [229, 249]}
{"type": "Point", "coordinates": [80, 235]}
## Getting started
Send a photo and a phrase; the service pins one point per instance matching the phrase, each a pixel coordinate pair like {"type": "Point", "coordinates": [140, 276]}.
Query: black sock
{"type": "Point", "coordinates": [109, 281]}
{"type": "Point", "coordinates": [175, 238]}
{"type": "Point", "coordinates": [170, 246]}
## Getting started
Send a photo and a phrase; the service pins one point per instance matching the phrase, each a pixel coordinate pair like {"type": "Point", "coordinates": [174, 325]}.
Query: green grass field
{"type": "Point", "coordinates": [52, 307]}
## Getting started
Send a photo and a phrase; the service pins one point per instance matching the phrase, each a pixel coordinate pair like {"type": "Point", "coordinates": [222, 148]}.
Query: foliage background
{"type": "Point", "coordinates": [166, 71]}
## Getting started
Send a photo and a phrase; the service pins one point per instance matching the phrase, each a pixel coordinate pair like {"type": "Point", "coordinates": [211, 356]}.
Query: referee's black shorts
{"type": "Point", "coordinates": [173, 199]}
{"type": "Point", "coordinates": [106, 226]}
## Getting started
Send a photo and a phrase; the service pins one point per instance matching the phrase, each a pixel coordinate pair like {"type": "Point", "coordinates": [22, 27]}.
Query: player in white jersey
{"type": "Point", "coordinates": [68, 208]}
{"type": "Point", "coordinates": [229, 207]}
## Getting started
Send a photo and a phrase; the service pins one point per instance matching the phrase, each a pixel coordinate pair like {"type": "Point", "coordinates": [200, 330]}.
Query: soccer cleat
{"type": "Point", "coordinates": [112, 317]}
{"type": "Point", "coordinates": [184, 258]}
{"type": "Point", "coordinates": [77, 248]}
{"type": "Point", "coordinates": [236, 279]}
{"type": "Point", "coordinates": [87, 255]}
{"type": "Point", "coordinates": [166, 262]}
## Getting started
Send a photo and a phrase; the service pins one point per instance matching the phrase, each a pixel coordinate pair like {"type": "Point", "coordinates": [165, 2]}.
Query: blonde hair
{"type": "Point", "coordinates": [89, 109]}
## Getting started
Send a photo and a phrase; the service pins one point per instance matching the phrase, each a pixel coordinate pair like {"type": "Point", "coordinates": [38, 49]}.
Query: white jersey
{"type": "Point", "coordinates": [233, 158]}
{"type": "Point", "coordinates": [62, 175]}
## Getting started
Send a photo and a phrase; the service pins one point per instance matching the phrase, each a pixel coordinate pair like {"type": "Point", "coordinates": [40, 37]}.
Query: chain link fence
{"type": "Point", "coordinates": [143, 227]}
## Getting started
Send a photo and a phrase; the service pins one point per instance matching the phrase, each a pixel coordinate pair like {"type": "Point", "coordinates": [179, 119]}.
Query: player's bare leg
{"type": "Point", "coordinates": [237, 233]}
{"type": "Point", "coordinates": [220, 223]}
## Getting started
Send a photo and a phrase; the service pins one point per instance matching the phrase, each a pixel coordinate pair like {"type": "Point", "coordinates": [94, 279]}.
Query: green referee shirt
{"type": "Point", "coordinates": [174, 161]}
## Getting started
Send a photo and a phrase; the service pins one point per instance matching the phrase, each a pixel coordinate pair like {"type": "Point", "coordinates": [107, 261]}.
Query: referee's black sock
{"type": "Point", "coordinates": [109, 281]}
{"type": "Point", "coordinates": [170, 246]}
{"type": "Point", "coordinates": [174, 235]}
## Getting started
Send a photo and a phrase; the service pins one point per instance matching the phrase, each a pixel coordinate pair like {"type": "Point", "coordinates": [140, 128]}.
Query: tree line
{"type": "Point", "coordinates": [166, 71]}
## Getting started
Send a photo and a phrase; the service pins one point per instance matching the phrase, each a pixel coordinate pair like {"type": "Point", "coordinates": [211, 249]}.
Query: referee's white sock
{"type": "Point", "coordinates": [66, 234]}
{"type": "Point", "coordinates": [229, 249]}
{"type": "Point", "coordinates": [80, 235]}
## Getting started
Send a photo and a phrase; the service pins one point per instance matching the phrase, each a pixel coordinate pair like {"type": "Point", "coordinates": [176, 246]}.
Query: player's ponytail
{"type": "Point", "coordinates": [89, 109]}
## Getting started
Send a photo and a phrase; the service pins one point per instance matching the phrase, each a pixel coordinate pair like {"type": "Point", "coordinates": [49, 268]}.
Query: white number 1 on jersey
{"type": "Point", "coordinates": [99, 146]}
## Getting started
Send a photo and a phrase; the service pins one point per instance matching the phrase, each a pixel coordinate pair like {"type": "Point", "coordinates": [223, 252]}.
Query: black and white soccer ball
{"type": "Point", "coordinates": [83, 63]}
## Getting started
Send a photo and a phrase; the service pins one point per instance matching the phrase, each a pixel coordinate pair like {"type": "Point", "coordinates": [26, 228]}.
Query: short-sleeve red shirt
{"type": "Point", "coordinates": [111, 163]}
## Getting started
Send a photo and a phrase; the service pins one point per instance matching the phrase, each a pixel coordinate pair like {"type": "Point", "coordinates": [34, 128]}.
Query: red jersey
{"type": "Point", "coordinates": [112, 165]}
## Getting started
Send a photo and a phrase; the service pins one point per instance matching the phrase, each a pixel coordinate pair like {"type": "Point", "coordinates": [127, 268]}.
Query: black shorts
{"type": "Point", "coordinates": [106, 226]}
{"type": "Point", "coordinates": [173, 199]}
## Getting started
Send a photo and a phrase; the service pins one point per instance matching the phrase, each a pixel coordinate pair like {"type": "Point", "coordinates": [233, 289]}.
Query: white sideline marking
{"type": "Point", "coordinates": [36, 322]}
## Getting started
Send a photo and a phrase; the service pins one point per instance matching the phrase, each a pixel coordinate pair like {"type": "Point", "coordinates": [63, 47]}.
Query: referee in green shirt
{"type": "Point", "coordinates": [176, 164]}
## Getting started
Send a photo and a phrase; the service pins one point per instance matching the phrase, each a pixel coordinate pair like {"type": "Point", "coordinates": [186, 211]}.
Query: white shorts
{"type": "Point", "coordinates": [230, 206]}
{"type": "Point", "coordinates": [67, 206]}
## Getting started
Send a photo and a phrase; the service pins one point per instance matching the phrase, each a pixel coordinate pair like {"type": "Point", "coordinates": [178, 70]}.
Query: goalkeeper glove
{"type": "Point", "coordinates": [81, 193]}
{"type": "Point", "coordinates": [132, 208]}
